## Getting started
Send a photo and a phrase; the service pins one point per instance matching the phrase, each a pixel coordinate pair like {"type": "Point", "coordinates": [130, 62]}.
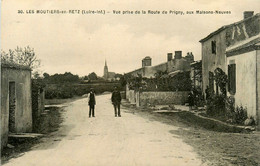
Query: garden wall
{"type": "Point", "coordinates": [156, 97]}
{"type": "Point", "coordinates": [163, 98]}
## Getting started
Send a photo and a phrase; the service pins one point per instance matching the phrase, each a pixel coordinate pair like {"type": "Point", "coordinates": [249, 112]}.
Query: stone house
{"type": "Point", "coordinates": [213, 56]}
{"type": "Point", "coordinates": [16, 104]}
{"type": "Point", "coordinates": [235, 49]}
{"type": "Point", "coordinates": [173, 65]}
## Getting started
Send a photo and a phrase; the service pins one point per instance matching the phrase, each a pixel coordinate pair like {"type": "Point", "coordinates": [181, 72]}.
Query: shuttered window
{"type": "Point", "coordinates": [232, 78]}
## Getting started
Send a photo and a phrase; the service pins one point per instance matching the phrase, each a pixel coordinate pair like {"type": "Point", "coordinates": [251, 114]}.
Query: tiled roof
{"type": "Point", "coordinates": [224, 27]}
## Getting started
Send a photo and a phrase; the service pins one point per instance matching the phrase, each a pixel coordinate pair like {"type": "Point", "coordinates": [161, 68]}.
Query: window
{"type": "Point", "coordinates": [232, 79]}
{"type": "Point", "coordinates": [213, 47]}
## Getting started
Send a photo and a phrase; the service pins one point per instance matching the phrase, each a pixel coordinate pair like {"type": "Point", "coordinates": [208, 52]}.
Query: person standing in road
{"type": "Point", "coordinates": [91, 103]}
{"type": "Point", "coordinates": [116, 101]}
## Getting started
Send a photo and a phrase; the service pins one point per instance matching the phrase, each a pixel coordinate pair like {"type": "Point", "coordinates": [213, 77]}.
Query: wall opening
{"type": "Point", "coordinates": [232, 79]}
{"type": "Point", "coordinates": [12, 106]}
{"type": "Point", "coordinates": [213, 47]}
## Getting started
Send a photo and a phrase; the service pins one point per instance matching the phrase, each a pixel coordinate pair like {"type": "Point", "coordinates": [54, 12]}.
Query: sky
{"type": "Point", "coordinates": [80, 43]}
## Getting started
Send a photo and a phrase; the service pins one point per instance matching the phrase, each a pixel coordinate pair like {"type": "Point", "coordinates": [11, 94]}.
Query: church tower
{"type": "Point", "coordinates": [105, 71]}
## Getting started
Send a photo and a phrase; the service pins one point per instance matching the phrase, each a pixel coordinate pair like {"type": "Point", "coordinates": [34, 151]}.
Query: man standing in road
{"type": "Point", "coordinates": [91, 103]}
{"type": "Point", "coordinates": [116, 100]}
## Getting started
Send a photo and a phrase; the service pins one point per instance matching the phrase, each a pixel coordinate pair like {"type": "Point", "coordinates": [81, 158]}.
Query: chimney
{"type": "Point", "coordinates": [248, 14]}
{"type": "Point", "coordinates": [178, 55]}
{"type": "Point", "coordinates": [147, 61]}
{"type": "Point", "coordinates": [169, 57]}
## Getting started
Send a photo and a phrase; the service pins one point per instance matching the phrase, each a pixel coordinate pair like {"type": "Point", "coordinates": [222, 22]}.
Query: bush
{"type": "Point", "coordinates": [240, 115]}
{"type": "Point", "coordinates": [216, 105]}
{"type": "Point", "coordinates": [63, 91]}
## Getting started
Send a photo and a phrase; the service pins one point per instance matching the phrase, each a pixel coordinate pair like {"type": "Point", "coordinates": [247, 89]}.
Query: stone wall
{"type": "Point", "coordinates": [163, 98]}
{"type": "Point", "coordinates": [132, 97]}
{"type": "Point", "coordinates": [156, 97]}
{"type": "Point", "coordinates": [38, 97]}
{"type": "Point", "coordinates": [21, 78]}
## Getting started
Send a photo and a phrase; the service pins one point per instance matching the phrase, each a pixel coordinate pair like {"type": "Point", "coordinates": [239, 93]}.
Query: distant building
{"type": "Point", "coordinates": [16, 101]}
{"type": "Point", "coordinates": [172, 66]}
{"type": "Point", "coordinates": [108, 75]}
{"type": "Point", "coordinates": [235, 49]}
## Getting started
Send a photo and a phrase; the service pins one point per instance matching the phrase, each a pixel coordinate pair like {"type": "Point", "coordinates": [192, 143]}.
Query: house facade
{"type": "Point", "coordinates": [235, 49]}
{"type": "Point", "coordinates": [213, 56]}
{"type": "Point", "coordinates": [243, 60]}
{"type": "Point", "coordinates": [16, 104]}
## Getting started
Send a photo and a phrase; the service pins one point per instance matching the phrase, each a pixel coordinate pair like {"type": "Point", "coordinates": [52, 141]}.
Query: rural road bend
{"type": "Point", "coordinates": [110, 141]}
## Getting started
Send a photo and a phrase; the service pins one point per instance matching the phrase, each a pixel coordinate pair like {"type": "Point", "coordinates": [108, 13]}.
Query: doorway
{"type": "Point", "coordinates": [12, 106]}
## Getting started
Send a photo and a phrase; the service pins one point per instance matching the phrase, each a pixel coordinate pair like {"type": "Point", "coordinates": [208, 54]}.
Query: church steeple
{"type": "Point", "coordinates": [105, 71]}
{"type": "Point", "coordinates": [105, 63]}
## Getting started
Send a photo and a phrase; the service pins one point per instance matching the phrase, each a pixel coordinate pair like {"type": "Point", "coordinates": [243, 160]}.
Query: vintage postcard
{"type": "Point", "coordinates": [130, 83]}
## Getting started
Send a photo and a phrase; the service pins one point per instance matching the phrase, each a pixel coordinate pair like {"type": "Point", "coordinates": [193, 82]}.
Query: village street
{"type": "Point", "coordinates": [109, 141]}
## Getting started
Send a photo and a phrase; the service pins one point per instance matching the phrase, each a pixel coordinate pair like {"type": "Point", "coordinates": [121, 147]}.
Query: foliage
{"type": "Point", "coordinates": [230, 107]}
{"type": "Point", "coordinates": [240, 114]}
{"type": "Point", "coordinates": [92, 76]}
{"type": "Point", "coordinates": [221, 80]}
{"type": "Point", "coordinates": [180, 82]}
{"type": "Point", "coordinates": [236, 114]}
{"type": "Point", "coordinates": [67, 77]}
{"type": "Point", "coordinates": [216, 105]}
{"type": "Point", "coordinates": [21, 56]}
{"type": "Point", "coordinates": [67, 90]}
{"type": "Point", "coordinates": [123, 80]}
{"type": "Point", "coordinates": [161, 82]}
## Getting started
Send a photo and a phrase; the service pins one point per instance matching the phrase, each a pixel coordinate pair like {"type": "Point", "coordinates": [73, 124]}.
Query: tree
{"type": "Point", "coordinates": [21, 56]}
{"type": "Point", "coordinates": [46, 75]}
{"type": "Point", "coordinates": [92, 76]}
{"type": "Point", "coordinates": [221, 80]}
{"type": "Point", "coordinates": [85, 78]}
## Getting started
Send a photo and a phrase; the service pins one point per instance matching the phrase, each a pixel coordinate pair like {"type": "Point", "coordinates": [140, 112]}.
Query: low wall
{"type": "Point", "coordinates": [162, 98]}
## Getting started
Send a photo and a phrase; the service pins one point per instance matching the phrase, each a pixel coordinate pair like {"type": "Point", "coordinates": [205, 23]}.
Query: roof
{"type": "Point", "coordinates": [196, 63]}
{"type": "Point", "coordinates": [147, 57]}
{"type": "Point", "coordinates": [249, 46]}
{"type": "Point", "coordinates": [15, 66]}
{"type": "Point", "coordinates": [226, 26]}
{"type": "Point", "coordinates": [213, 33]}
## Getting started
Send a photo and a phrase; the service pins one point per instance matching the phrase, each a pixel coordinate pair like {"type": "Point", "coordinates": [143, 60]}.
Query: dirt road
{"type": "Point", "coordinates": [109, 141]}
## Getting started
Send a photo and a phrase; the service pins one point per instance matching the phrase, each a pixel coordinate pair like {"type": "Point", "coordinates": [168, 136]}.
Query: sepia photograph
{"type": "Point", "coordinates": [130, 83]}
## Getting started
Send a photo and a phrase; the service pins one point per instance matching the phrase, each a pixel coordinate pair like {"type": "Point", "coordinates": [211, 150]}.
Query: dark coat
{"type": "Point", "coordinates": [91, 100]}
{"type": "Point", "coordinates": [116, 97]}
